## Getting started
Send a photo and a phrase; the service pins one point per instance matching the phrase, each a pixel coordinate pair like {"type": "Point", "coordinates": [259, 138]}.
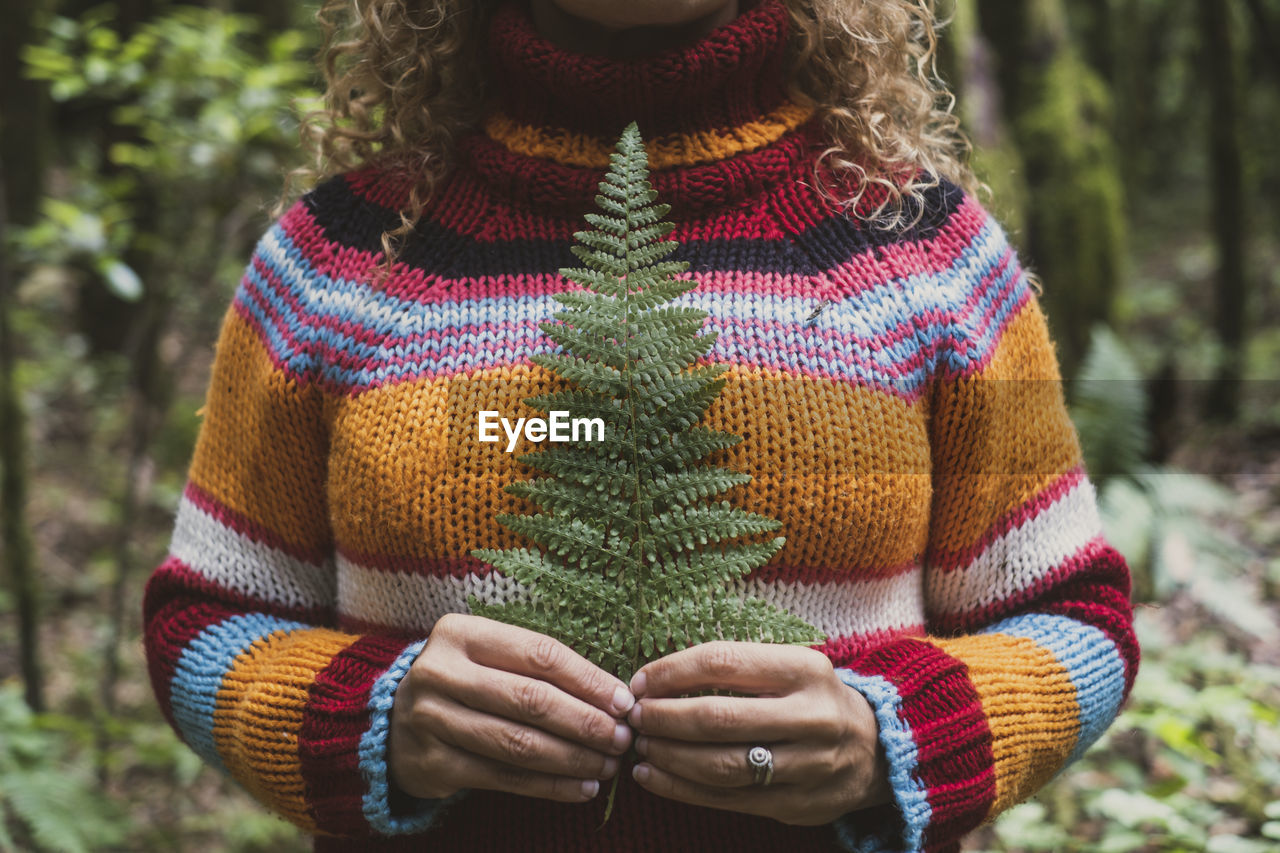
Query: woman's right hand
{"type": "Point", "coordinates": [493, 706]}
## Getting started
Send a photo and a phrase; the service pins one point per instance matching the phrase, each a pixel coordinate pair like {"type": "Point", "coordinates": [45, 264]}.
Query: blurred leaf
{"type": "Point", "coordinates": [1109, 408]}
{"type": "Point", "coordinates": [122, 280]}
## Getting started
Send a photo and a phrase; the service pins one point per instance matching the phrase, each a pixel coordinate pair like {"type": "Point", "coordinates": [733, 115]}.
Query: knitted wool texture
{"type": "Point", "coordinates": [912, 438]}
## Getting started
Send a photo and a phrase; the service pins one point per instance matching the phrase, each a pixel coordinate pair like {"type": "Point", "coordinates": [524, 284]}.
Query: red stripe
{"type": "Point", "coordinates": [179, 604]}
{"type": "Point", "coordinates": [947, 561]}
{"type": "Point", "coordinates": [1098, 595]}
{"type": "Point", "coordinates": [853, 646]}
{"type": "Point", "coordinates": [335, 718]}
{"type": "Point", "coordinates": [955, 762]}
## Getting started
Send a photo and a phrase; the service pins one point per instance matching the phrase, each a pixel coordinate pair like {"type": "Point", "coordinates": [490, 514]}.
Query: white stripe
{"type": "Point", "coordinates": [237, 563]}
{"type": "Point", "coordinates": [1021, 558]}
{"type": "Point", "coordinates": [413, 602]}
{"type": "Point", "coordinates": [848, 609]}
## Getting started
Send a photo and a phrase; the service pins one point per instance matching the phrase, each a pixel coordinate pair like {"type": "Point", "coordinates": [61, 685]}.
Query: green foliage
{"type": "Point", "coordinates": [1109, 408]}
{"type": "Point", "coordinates": [198, 113]}
{"type": "Point", "coordinates": [1165, 521]}
{"type": "Point", "coordinates": [1193, 763]}
{"type": "Point", "coordinates": [47, 800]}
{"type": "Point", "coordinates": [187, 83]}
{"type": "Point", "coordinates": [1077, 197]}
{"type": "Point", "coordinates": [636, 558]}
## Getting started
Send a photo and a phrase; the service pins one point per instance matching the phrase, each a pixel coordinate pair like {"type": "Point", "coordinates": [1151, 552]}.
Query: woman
{"type": "Point", "coordinates": [889, 370]}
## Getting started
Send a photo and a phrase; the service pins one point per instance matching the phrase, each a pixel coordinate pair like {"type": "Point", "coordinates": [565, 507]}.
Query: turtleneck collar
{"type": "Point", "coordinates": [713, 112]}
{"type": "Point", "coordinates": [729, 76]}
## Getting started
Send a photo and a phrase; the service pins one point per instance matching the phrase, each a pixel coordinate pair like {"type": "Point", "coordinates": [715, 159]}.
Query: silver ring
{"type": "Point", "coordinates": [761, 760]}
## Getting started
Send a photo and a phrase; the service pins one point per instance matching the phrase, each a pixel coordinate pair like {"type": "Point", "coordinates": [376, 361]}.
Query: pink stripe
{"type": "Point", "coordinates": [460, 567]}
{"type": "Point", "coordinates": [977, 617]}
{"type": "Point", "coordinates": [490, 361]}
{"type": "Point", "coordinates": [245, 526]}
{"type": "Point", "coordinates": [963, 346]}
{"type": "Point", "coordinates": [263, 338]}
{"type": "Point", "coordinates": [731, 328]}
{"type": "Point", "coordinates": [718, 281]}
{"type": "Point", "coordinates": [881, 265]}
{"type": "Point", "coordinates": [251, 292]}
{"type": "Point", "coordinates": [278, 321]}
{"type": "Point", "coordinates": [447, 340]}
{"type": "Point", "coordinates": [947, 561]}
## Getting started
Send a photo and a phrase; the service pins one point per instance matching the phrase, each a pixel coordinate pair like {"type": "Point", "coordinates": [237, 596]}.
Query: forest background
{"type": "Point", "coordinates": [1131, 150]}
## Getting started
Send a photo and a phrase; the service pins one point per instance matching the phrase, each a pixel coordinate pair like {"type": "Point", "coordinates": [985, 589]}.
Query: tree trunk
{"type": "Point", "coordinates": [1264, 32]}
{"type": "Point", "coordinates": [13, 487]}
{"type": "Point", "coordinates": [1229, 215]}
{"type": "Point", "coordinates": [969, 66]}
{"type": "Point", "coordinates": [1098, 35]}
{"type": "Point", "coordinates": [23, 116]}
{"type": "Point", "coordinates": [1060, 110]}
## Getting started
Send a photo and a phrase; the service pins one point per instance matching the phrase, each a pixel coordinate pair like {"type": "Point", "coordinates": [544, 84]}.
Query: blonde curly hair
{"type": "Point", "coordinates": [405, 79]}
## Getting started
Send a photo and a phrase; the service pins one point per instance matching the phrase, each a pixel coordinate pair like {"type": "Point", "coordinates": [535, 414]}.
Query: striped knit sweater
{"type": "Point", "coordinates": [911, 437]}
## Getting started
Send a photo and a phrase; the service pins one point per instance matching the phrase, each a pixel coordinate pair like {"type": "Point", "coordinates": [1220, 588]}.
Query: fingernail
{"type": "Point", "coordinates": [642, 745]}
{"type": "Point", "coordinates": [634, 716]}
{"type": "Point", "coordinates": [622, 700]}
{"type": "Point", "coordinates": [590, 788]}
{"type": "Point", "coordinates": [640, 773]}
{"type": "Point", "coordinates": [638, 683]}
{"type": "Point", "coordinates": [621, 737]}
{"type": "Point", "coordinates": [610, 767]}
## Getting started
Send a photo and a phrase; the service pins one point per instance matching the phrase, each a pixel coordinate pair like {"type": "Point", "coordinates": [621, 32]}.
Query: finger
{"type": "Point", "coordinates": [718, 719]}
{"type": "Point", "coordinates": [529, 653]}
{"type": "Point", "coordinates": [765, 802]}
{"type": "Point", "coordinates": [757, 668]}
{"type": "Point", "coordinates": [467, 770]}
{"type": "Point", "coordinates": [522, 746]}
{"type": "Point", "coordinates": [722, 765]}
{"type": "Point", "coordinates": [538, 704]}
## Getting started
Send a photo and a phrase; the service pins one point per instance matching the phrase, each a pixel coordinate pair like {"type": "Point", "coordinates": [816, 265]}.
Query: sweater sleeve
{"type": "Point", "coordinates": [1029, 648]}
{"type": "Point", "coordinates": [239, 619]}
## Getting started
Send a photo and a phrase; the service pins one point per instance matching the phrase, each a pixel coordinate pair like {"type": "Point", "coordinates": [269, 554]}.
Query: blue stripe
{"type": "Point", "coordinates": [909, 792]}
{"type": "Point", "coordinates": [373, 756]}
{"type": "Point", "coordinates": [1091, 660]}
{"type": "Point", "coordinates": [201, 668]}
{"type": "Point", "coordinates": [925, 302]}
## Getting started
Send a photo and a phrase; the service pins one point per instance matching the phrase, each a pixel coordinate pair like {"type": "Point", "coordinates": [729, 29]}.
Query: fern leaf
{"type": "Point", "coordinates": [635, 558]}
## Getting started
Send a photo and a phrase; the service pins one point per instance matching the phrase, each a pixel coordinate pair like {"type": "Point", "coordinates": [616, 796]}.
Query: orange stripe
{"type": "Point", "coordinates": [1030, 705]}
{"type": "Point", "coordinates": [259, 715]}
{"type": "Point", "coordinates": [1015, 405]}
{"type": "Point", "coordinates": [845, 468]}
{"type": "Point", "coordinates": [261, 450]}
{"type": "Point", "coordinates": [685, 149]}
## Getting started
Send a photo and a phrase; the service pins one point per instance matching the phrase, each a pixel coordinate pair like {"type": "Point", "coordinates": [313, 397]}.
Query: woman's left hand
{"type": "Point", "coordinates": [822, 733]}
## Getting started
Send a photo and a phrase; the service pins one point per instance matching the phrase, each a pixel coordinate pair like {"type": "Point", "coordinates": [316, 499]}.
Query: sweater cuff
{"type": "Point", "coordinates": [937, 744]}
{"type": "Point", "coordinates": [878, 829]}
{"type": "Point", "coordinates": [389, 811]}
